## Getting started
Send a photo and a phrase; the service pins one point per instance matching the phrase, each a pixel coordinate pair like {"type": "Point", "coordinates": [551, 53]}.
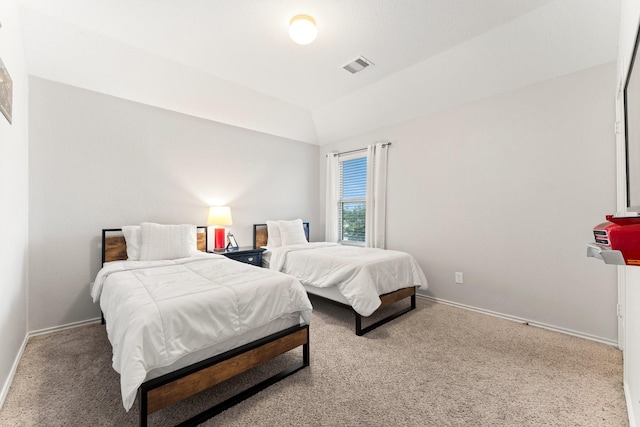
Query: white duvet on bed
{"type": "Point", "coordinates": [159, 311]}
{"type": "Point", "coordinates": [360, 274]}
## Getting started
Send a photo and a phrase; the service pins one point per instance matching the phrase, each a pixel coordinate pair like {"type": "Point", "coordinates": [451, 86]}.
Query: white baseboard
{"type": "Point", "coordinates": [521, 320]}
{"type": "Point", "coordinates": [63, 327]}
{"type": "Point", "coordinates": [14, 368]}
{"type": "Point", "coordinates": [627, 398]}
{"type": "Point", "coordinates": [16, 362]}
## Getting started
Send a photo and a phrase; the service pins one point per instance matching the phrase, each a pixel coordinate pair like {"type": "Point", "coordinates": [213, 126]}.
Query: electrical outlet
{"type": "Point", "coordinates": [459, 277]}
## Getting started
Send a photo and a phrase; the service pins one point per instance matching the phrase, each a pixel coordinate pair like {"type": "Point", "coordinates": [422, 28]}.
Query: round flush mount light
{"type": "Point", "coordinates": [302, 29]}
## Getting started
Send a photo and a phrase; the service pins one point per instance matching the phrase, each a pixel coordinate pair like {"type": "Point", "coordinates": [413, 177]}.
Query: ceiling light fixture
{"type": "Point", "coordinates": [302, 29]}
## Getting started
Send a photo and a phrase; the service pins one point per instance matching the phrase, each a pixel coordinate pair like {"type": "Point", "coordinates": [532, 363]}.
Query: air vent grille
{"type": "Point", "coordinates": [357, 65]}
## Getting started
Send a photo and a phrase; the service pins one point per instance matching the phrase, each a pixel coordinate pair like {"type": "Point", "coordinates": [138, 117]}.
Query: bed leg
{"type": "Point", "coordinates": [358, 324]}
{"type": "Point", "coordinates": [305, 351]}
{"type": "Point", "coordinates": [142, 399]}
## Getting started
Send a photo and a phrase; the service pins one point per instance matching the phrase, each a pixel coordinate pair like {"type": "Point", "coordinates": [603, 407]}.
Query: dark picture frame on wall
{"type": "Point", "coordinates": [6, 92]}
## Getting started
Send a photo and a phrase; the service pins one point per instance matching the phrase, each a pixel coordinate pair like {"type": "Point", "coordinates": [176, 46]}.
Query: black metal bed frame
{"type": "Point", "coordinates": [203, 416]}
{"type": "Point", "coordinates": [360, 331]}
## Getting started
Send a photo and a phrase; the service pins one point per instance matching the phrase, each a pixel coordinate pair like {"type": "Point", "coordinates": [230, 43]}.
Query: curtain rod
{"type": "Point", "coordinates": [357, 151]}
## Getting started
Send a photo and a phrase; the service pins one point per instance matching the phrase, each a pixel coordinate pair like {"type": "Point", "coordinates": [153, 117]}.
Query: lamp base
{"type": "Point", "coordinates": [219, 238]}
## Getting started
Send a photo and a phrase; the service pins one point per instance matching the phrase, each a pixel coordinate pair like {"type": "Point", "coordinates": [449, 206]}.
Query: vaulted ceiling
{"type": "Point", "coordinates": [232, 60]}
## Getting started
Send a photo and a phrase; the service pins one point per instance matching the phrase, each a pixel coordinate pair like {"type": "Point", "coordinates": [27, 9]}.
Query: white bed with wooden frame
{"type": "Point", "coordinates": [215, 362]}
{"type": "Point", "coordinates": [399, 290]}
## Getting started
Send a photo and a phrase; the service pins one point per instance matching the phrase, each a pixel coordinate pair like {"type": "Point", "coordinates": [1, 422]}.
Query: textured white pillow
{"type": "Point", "coordinates": [273, 234]}
{"type": "Point", "coordinates": [132, 237]}
{"type": "Point", "coordinates": [167, 241]}
{"type": "Point", "coordinates": [292, 232]}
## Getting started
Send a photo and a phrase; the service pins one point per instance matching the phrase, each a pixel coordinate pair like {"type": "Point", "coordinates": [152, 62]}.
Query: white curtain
{"type": "Point", "coordinates": [333, 191]}
{"type": "Point", "coordinates": [376, 195]}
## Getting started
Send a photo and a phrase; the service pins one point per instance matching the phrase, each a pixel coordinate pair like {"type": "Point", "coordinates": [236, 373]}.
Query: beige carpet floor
{"type": "Point", "coordinates": [436, 366]}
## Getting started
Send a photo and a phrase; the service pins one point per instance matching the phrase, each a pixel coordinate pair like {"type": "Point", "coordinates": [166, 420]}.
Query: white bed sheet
{"type": "Point", "coordinates": [360, 274]}
{"type": "Point", "coordinates": [160, 312]}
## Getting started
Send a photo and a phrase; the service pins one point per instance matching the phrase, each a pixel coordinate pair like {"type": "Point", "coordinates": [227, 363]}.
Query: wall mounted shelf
{"type": "Point", "coordinates": [609, 256]}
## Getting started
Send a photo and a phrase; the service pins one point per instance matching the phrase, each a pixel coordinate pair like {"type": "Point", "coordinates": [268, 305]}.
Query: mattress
{"type": "Point", "coordinates": [162, 315]}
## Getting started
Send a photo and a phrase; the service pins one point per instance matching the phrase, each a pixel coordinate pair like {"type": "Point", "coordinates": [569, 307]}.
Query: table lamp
{"type": "Point", "coordinates": [219, 217]}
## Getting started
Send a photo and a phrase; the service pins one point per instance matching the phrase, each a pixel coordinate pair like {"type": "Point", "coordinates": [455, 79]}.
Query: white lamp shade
{"type": "Point", "coordinates": [220, 215]}
{"type": "Point", "coordinates": [302, 29]}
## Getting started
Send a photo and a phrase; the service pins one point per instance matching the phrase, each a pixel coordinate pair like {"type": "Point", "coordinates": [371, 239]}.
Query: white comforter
{"type": "Point", "coordinates": [360, 274]}
{"type": "Point", "coordinates": [159, 311]}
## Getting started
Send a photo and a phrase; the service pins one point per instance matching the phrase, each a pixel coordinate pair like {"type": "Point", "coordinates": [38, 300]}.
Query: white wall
{"type": "Point", "coordinates": [14, 146]}
{"type": "Point", "coordinates": [97, 162]}
{"type": "Point", "coordinates": [630, 276]}
{"type": "Point", "coordinates": [127, 72]}
{"type": "Point", "coordinates": [518, 53]}
{"type": "Point", "coordinates": [507, 191]}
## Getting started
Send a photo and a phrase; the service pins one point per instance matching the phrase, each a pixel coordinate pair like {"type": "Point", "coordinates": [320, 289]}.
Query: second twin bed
{"type": "Point", "coordinates": [364, 279]}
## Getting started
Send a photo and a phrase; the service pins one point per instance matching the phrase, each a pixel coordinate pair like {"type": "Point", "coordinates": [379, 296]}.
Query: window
{"type": "Point", "coordinates": [352, 198]}
{"type": "Point", "coordinates": [356, 196]}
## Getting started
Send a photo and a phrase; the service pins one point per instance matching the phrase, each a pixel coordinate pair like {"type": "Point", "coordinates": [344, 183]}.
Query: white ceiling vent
{"type": "Point", "coordinates": [357, 65]}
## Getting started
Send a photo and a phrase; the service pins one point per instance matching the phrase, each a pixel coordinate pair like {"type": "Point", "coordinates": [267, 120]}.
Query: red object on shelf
{"type": "Point", "coordinates": [219, 238]}
{"type": "Point", "coordinates": [621, 234]}
{"type": "Point", "coordinates": [623, 220]}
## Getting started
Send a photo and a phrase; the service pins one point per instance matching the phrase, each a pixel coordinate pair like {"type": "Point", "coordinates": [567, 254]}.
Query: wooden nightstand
{"type": "Point", "coordinates": [248, 255]}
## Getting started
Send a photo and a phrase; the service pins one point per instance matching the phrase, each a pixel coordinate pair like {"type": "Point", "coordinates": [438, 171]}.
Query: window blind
{"type": "Point", "coordinates": [352, 199]}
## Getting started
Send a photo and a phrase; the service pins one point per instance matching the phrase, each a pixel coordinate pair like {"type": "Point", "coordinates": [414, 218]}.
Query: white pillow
{"type": "Point", "coordinates": [292, 232]}
{"type": "Point", "coordinates": [132, 237]}
{"type": "Point", "coordinates": [273, 234]}
{"type": "Point", "coordinates": [167, 241]}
